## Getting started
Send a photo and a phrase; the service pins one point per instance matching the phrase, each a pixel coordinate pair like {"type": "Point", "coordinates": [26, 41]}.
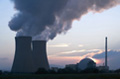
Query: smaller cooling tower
{"type": "Point", "coordinates": [40, 55]}
{"type": "Point", "coordinates": [23, 62]}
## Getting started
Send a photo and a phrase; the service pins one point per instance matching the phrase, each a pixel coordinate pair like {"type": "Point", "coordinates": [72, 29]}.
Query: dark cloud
{"type": "Point", "coordinates": [113, 58]}
{"type": "Point", "coordinates": [110, 54]}
{"type": "Point", "coordinates": [44, 19]}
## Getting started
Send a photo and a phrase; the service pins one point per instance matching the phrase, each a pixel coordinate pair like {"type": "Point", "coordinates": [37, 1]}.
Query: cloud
{"type": "Point", "coordinates": [63, 60]}
{"type": "Point", "coordinates": [113, 58]}
{"type": "Point", "coordinates": [80, 45]}
{"type": "Point", "coordinates": [81, 52]}
{"type": "Point", "coordinates": [74, 56]}
{"type": "Point", "coordinates": [111, 54]}
{"type": "Point", "coordinates": [59, 45]}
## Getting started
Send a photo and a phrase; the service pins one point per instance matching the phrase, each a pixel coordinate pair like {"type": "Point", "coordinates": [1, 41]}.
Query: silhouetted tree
{"type": "Point", "coordinates": [117, 71]}
{"type": "Point", "coordinates": [70, 70]}
{"type": "Point", "coordinates": [41, 71]}
{"type": "Point", "coordinates": [61, 71]}
{"type": "Point", "coordinates": [7, 72]}
{"type": "Point", "coordinates": [52, 71]}
{"type": "Point", "coordinates": [67, 71]}
{"type": "Point", "coordinates": [90, 70]}
{"type": "Point", "coordinates": [1, 72]}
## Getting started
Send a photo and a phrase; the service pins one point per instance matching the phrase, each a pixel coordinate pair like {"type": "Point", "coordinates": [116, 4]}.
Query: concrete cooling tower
{"type": "Point", "coordinates": [40, 55]}
{"type": "Point", "coordinates": [23, 62]}
{"type": "Point", "coordinates": [29, 57]}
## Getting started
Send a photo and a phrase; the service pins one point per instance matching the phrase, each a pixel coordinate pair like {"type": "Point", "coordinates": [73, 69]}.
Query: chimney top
{"type": "Point", "coordinates": [38, 41]}
{"type": "Point", "coordinates": [23, 37]}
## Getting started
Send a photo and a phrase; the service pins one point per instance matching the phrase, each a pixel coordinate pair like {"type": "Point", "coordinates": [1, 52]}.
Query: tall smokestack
{"type": "Point", "coordinates": [106, 52]}
{"type": "Point", "coordinates": [23, 56]}
{"type": "Point", "coordinates": [40, 55]}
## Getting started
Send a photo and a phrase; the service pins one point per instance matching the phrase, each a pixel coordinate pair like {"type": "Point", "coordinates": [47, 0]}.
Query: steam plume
{"type": "Point", "coordinates": [44, 19]}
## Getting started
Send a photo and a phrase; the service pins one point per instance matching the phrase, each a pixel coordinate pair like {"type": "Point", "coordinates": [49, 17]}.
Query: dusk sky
{"type": "Point", "coordinates": [86, 38]}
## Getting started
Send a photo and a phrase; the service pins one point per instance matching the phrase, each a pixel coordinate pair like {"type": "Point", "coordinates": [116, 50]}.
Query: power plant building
{"type": "Point", "coordinates": [82, 65]}
{"type": "Point", "coordinates": [86, 63]}
{"type": "Point", "coordinates": [29, 57]}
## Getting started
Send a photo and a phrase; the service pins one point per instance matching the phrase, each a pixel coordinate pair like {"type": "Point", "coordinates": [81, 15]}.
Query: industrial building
{"type": "Point", "coordinates": [29, 55]}
{"type": "Point", "coordinates": [82, 65]}
{"type": "Point", "coordinates": [86, 63]}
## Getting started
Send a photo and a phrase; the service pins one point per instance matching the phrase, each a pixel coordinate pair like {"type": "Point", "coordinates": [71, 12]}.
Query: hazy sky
{"type": "Point", "coordinates": [84, 39]}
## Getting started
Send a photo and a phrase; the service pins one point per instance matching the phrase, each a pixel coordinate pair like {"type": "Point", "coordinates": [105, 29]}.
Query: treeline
{"type": "Point", "coordinates": [67, 71]}
{"type": "Point", "coordinates": [4, 72]}
{"type": "Point", "coordinates": [71, 71]}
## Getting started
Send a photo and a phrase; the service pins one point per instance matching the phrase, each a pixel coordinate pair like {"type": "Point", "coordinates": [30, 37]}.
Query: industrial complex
{"type": "Point", "coordinates": [89, 63]}
{"type": "Point", "coordinates": [31, 55]}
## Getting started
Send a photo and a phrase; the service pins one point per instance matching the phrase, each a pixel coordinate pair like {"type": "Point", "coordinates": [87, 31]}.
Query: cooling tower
{"type": "Point", "coordinates": [23, 62]}
{"type": "Point", "coordinates": [40, 55]}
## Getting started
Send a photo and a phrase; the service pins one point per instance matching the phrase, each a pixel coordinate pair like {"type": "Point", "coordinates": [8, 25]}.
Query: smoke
{"type": "Point", "coordinates": [44, 19]}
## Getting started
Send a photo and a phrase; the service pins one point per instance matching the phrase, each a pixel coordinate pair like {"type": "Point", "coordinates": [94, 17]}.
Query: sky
{"type": "Point", "coordinates": [86, 38]}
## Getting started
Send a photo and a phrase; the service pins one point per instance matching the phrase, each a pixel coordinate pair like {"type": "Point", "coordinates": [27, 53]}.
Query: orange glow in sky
{"type": "Point", "coordinates": [70, 60]}
{"type": "Point", "coordinates": [97, 61]}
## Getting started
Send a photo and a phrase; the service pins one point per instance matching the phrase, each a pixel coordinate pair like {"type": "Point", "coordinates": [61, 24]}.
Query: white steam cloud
{"type": "Point", "coordinates": [44, 19]}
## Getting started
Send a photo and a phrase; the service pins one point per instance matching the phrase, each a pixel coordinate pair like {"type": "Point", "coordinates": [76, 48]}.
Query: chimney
{"type": "Point", "coordinates": [40, 55]}
{"type": "Point", "coordinates": [106, 53]}
{"type": "Point", "coordinates": [23, 56]}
